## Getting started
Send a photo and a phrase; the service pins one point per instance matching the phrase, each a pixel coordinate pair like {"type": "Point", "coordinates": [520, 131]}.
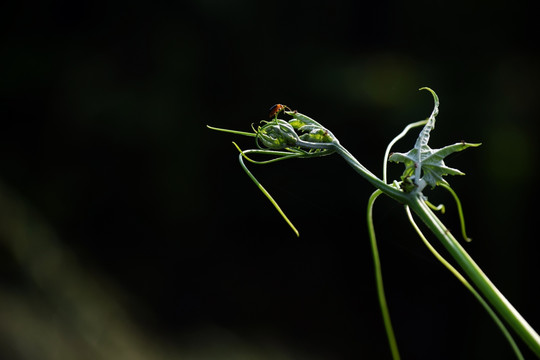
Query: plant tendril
{"type": "Point", "coordinates": [439, 207]}
{"type": "Point", "coordinates": [265, 192]}
{"type": "Point", "coordinates": [378, 278]}
{"type": "Point", "coordinates": [460, 212]}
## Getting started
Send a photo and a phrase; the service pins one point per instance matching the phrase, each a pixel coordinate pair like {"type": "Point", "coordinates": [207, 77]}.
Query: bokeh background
{"type": "Point", "coordinates": [129, 231]}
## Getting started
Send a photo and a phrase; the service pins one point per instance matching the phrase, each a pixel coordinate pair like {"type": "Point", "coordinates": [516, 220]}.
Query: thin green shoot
{"type": "Point", "coordinates": [232, 131]}
{"type": "Point", "coordinates": [439, 207]}
{"type": "Point", "coordinates": [460, 211]}
{"type": "Point", "coordinates": [378, 278]}
{"type": "Point", "coordinates": [263, 190]}
{"type": "Point", "coordinates": [281, 155]}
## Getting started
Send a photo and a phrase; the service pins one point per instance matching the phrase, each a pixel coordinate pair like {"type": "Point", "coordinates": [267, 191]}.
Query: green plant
{"type": "Point", "coordinates": [303, 137]}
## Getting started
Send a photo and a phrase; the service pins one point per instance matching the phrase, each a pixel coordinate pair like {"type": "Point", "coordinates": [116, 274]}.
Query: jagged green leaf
{"type": "Point", "coordinates": [432, 163]}
{"type": "Point", "coordinates": [424, 163]}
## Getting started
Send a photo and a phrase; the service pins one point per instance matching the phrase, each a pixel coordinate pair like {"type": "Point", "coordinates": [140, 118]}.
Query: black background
{"type": "Point", "coordinates": [129, 231]}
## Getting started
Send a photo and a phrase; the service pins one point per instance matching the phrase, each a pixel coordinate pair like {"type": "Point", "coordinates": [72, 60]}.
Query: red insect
{"type": "Point", "coordinates": [276, 109]}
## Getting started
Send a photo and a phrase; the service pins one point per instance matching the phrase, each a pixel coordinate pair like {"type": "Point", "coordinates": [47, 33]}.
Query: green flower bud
{"type": "Point", "coordinates": [318, 135]}
{"type": "Point", "coordinates": [277, 135]}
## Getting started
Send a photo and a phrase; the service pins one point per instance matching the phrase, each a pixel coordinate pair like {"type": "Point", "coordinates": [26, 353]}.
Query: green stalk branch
{"type": "Point", "coordinates": [391, 191]}
{"type": "Point", "coordinates": [473, 271]}
{"type": "Point", "coordinates": [465, 283]}
{"type": "Point", "coordinates": [477, 276]}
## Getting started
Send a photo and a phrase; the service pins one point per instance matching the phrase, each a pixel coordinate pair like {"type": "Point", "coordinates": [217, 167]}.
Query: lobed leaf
{"type": "Point", "coordinates": [432, 164]}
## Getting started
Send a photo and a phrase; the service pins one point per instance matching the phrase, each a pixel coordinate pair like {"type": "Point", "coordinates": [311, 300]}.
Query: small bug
{"type": "Point", "coordinates": [276, 109]}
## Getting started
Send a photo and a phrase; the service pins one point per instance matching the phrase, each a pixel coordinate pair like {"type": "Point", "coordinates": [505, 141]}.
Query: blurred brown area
{"type": "Point", "coordinates": [129, 231]}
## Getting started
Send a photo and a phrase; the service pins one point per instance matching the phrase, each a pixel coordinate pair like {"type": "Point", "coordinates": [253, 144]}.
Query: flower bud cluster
{"type": "Point", "coordinates": [279, 134]}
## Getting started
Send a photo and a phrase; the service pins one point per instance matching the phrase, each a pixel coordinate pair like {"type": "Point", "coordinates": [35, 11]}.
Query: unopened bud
{"type": "Point", "coordinates": [318, 135]}
{"type": "Point", "coordinates": [277, 135]}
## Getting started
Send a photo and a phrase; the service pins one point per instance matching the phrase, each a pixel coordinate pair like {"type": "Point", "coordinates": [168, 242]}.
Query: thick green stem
{"type": "Point", "coordinates": [473, 271]}
{"type": "Point", "coordinates": [477, 276]}
{"type": "Point", "coordinates": [394, 193]}
{"type": "Point", "coordinates": [469, 287]}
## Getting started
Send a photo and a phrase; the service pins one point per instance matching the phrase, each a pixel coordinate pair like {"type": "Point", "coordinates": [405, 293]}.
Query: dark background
{"type": "Point", "coordinates": [129, 231]}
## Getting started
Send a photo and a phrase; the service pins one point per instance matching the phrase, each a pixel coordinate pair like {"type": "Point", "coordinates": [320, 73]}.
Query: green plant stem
{"type": "Point", "coordinates": [389, 190]}
{"type": "Point", "coordinates": [477, 276]}
{"type": "Point", "coordinates": [417, 204]}
{"type": "Point", "coordinates": [469, 287]}
{"type": "Point", "coordinates": [378, 278]}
